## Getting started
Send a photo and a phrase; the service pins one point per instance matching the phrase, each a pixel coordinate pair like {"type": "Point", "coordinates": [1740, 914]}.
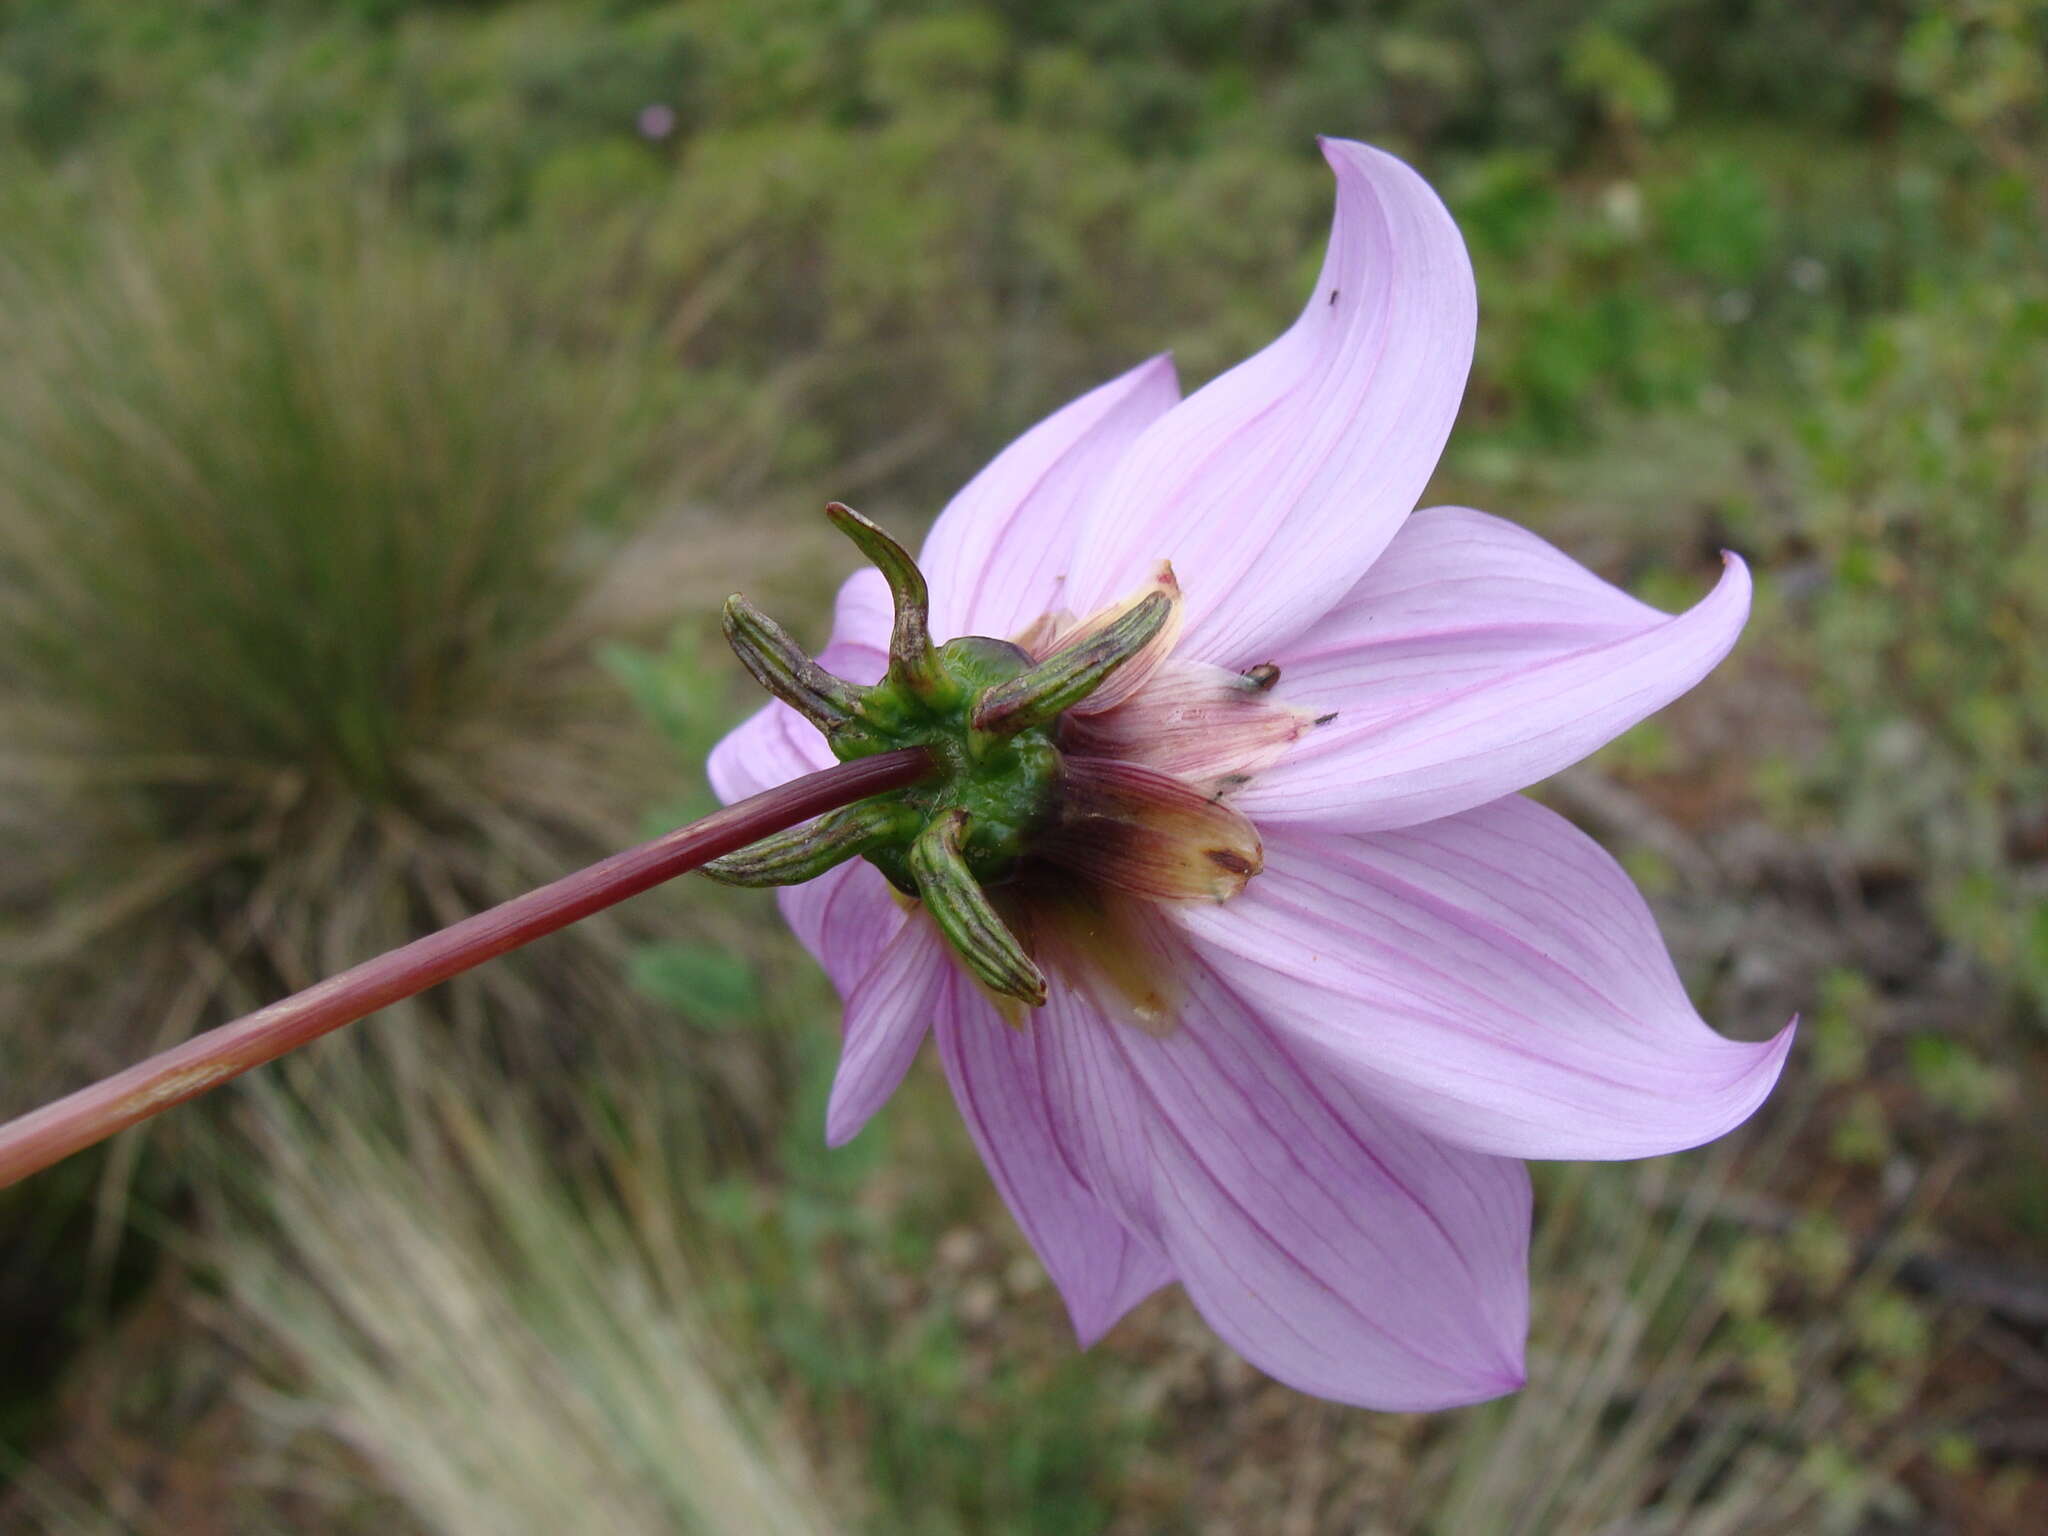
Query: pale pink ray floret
{"type": "Point", "coordinates": [1316, 1124]}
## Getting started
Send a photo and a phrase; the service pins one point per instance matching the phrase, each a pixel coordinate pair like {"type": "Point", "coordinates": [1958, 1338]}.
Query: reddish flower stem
{"type": "Point", "coordinates": [93, 1113]}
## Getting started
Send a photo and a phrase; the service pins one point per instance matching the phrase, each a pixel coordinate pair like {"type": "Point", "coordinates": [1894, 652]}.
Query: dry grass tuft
{"type": "Point", "coordinates": [297, 515]}
{"type": "Point", "coordinates": [501, 1349]}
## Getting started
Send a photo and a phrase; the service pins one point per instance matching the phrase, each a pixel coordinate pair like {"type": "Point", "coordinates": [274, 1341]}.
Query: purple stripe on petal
{"type": "Point", "coordinates": [1524, 674]}
{"type": "Point", "coordinates": [1494, 978]}
{"type": "Point", "coordinates": [1100, 1267]}
{"type": "Point", "coordinates": [1333, 1244]}
{"type": "Point", "coordinates": [886, 1020]}
{"type": "Point", "coordinates": [1094, 1107]}
{"type": "Point", "coordinates": [998, 556]}
{"type": "Point", "coordinates": [844, 918]}
{"type": "Point", "coordinates": [1324, 1238]}
{"type": "Point", "coordinates": [1459, 597]}
{"type": "Point", "coordinates": [771, 746]}
{"type": "Point", "coordinates": [1273, 488]}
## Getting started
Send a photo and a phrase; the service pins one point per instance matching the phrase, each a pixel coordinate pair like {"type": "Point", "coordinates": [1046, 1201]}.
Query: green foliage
{"type": "Point", "coordinates": [1717, 221]}
{"type": "Point", "coordinates": [903, 228]}
{"type": "Point", "coordinates": [1841, 1048]}
{"type": "Point", "coordinates": [713, 988]}
{"type": "Point", "coordinates": [680, 690]}
{"type": "Point", "coordinates": [1630, 90]}
{"type": "Point", "coordinates": [1928, 510]}
{"type": "Point", "coordinates": [297, 518]}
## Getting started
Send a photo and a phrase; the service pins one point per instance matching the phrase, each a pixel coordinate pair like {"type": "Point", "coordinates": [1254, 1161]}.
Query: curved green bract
{"type": "Point", "coordinates": [984, 710]}
{"type": "Point", "coordinates": [1006, 785]}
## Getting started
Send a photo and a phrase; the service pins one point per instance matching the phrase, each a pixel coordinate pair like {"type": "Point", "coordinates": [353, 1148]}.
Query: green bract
{"type": "Point", "coordinates": [985, 710]}
{"type": "Point", "coordinates": [1005, 785]}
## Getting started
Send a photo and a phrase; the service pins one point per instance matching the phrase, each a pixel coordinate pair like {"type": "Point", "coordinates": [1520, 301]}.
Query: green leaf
{"type": "Point", "coordinates": [713, 988]}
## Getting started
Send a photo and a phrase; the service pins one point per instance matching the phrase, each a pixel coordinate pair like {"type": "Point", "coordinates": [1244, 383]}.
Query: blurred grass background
{"type": "Point", "coordinates": [388, 392]}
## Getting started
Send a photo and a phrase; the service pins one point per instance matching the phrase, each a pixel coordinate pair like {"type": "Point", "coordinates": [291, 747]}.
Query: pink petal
{"type": "Point", "coordinates": [766, 748]}
{"type": "Point", "coordinates": [845, 918]}
{"type": "Point", "coordinates": [1329, 1242]}
{"type": "Point", "coordinates": [862, 616]}
{"type": "Point", "coordinates": [887, 1017]}
{"type": "Point", "coordinates": [1495, 978]}
{"type": "Point", "coordinates": [1094, 1106]}
{"type": "Point", "coordinates": [771, 746]}
{"type": "Point", "coordinates": [1459, 597]}
{"type": "Point", "coordinates": [1485, 713]}
{"type": "Point", "coordinates": [776, 744]}
{"type": "Point", "coordinates": [1272, 489]}
{"type": "Point", "coordinates": [1476, 685]}
{"type": "Point", "coordinates": [998, 555]}
{"type": "Point", "coordinates": [1197, 722]}
{"type": "Point", "coordinates": [1100, 1266]}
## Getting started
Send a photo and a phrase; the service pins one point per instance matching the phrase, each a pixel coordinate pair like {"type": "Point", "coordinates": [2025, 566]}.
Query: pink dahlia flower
{"type": "Point", "coordinates": [1314, 976]}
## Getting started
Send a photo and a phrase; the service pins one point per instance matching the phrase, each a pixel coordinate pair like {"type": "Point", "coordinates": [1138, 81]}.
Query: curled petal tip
{"type": "Point", "coordinates": [1759, 1065]}
{"type": "Point", "coordinates": [1158, 363]}
{"type": "Point", "coordinates": [840, 1126]}
{"type": "Point", "coordinates": [1301, 462]}
{"type": "Point", "coordinates": [1510, 1380]}
{"type": "Point", "coordinates": [1567, 1034]}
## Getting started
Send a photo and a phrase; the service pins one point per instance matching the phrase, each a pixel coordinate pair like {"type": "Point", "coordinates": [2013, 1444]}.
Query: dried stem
{"type": "Point", "coordinates": [93, 1113]}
